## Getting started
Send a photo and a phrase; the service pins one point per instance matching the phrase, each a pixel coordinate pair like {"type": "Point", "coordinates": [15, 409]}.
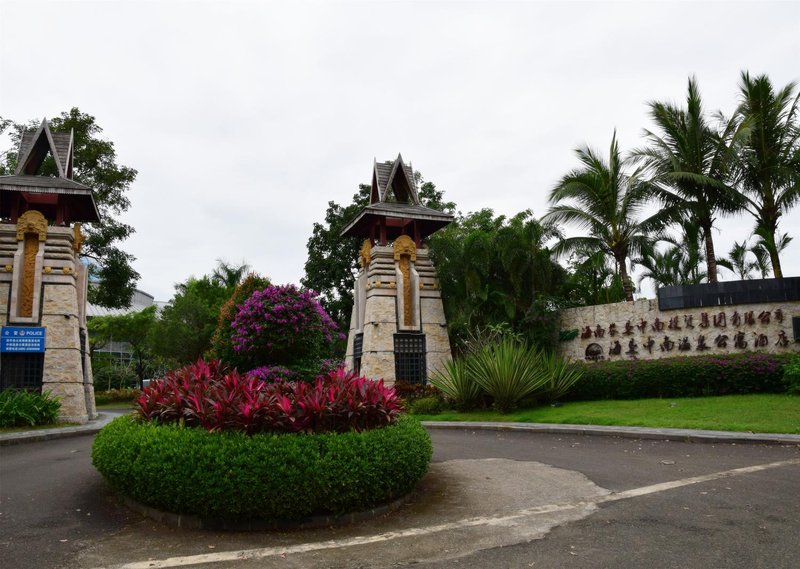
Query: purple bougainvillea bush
{"type": "Point", "coordinates": [208, 395]}
{"type": "Point", "coordinates": [282, 326]}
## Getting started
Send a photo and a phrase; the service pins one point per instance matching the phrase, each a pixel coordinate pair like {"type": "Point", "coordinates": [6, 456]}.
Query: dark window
{"type": "Point", "coordinates": [21, 371]}
{"type": "Point", "coordinates": [796, 328]}
{"type": "Point", "coordinates": [358, 349]}
{"type": "Point", "coordinates": [409, 358]}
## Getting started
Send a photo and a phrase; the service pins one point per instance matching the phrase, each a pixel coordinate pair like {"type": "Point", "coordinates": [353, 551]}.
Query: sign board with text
{"type": "Point", "coordinates": [22, 339]}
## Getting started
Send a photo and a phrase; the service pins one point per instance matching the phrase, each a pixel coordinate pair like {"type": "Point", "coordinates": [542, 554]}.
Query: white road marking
{"type": "Point", "coordinates": [259, 553]}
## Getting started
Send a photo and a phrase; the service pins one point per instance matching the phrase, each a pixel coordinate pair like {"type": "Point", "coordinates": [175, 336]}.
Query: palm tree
{"type": "Point", "coordinates": [228, 274]}
{"type": "Point", "coordinates": [768, 159]}
{"type": "Point", "coordinates": [604, 200]}
{"type": "Point", "coordinates": [688, 163]}
{"type": "Point", "coordinates": [762, 253]}
{"type": "Point", "coordinates": [738, 262]}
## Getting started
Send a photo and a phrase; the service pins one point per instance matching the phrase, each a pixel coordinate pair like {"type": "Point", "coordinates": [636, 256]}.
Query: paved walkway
{"type": "Point", "coordinates": [687, 435]}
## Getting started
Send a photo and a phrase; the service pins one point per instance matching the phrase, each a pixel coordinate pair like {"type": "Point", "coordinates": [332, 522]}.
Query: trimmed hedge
{"type": "Point", "coordinates": [230, 475]}
{"type": "Point", "coordinates": [695, 376]}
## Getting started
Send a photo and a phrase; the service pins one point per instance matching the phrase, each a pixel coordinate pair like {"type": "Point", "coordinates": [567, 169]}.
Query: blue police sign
{"type": "Point", "coordinates": [17, 339]}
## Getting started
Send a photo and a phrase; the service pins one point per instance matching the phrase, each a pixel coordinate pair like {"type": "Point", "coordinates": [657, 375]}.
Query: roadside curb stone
{"type": "Point", "coordinates": [684, 435]}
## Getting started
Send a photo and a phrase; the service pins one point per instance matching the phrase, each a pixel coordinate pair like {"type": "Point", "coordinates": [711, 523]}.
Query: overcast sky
{"type": "Point", "coordinates": [245, 118]}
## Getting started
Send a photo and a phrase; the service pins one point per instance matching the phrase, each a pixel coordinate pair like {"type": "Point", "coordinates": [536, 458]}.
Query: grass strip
{"type": "Point", "coordinates": [744, 413]}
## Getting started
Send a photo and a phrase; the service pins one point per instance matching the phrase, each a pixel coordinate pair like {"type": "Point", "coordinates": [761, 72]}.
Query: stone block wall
{"type": "Point", "coordinates": [640, 330]}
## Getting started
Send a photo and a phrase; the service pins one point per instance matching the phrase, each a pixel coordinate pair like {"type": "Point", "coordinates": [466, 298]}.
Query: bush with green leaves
{"type": "Point", "coordinates": [122, 396]}
{"type": "Point", "coordinates": [507, 371]}
{"type": "Point", "coordinates": [791, 375]}
{"type": "Point", "coordinates": [234, 476]}
{"type": "Point", "coordinates": [562, 375]}
{"type": "Point", "coordinates": [427, 406]}
{"type": "Point", "coordinates": [221, 345]}
{"type": "Point", "coordinates": [696, 376]}
{"type": "Point", "coordinates": [458, 385]}
{"type": "Point", "coordinates": [19, 408]}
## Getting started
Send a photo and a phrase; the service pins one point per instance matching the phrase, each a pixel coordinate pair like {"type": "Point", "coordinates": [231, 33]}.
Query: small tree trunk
{"type": "Point", "coordinates": [777, 272]}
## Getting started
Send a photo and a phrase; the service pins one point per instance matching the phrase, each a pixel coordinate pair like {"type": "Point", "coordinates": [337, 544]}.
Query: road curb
{"type": "Point", "coordinates": [91, 428]}
{"type": "Point", "coordinates": [682, 435]}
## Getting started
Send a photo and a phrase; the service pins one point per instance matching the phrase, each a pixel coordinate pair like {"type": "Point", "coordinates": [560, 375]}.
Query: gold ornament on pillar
{"type": "Point", "coordinates": [365, 253]}
{"type": "Point", "coordinates": [32, 229]}
{"type": "Point", "coordinates": [405, 253]}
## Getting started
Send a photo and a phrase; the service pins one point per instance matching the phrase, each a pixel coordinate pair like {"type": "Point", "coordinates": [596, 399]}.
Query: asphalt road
{"type": "Point", "coordinates": [56, 512]}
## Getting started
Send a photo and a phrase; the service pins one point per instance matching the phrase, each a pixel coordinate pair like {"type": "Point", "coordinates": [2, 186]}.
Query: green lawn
{"type": "Point", "coordinates": [756, 413]}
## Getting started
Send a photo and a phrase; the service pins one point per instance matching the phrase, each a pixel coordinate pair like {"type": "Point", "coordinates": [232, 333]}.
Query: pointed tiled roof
{"type": "Point", "coordinates": [393, 181]}
{"type": "Point", "coordinates": [34, 146]}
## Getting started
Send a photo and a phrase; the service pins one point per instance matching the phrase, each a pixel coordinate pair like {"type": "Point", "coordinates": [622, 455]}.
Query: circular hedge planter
{"type": "Point", "coordinates": [267, 477]}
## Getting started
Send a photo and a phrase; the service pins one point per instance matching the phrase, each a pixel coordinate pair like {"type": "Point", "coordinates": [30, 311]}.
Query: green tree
{"type": "Point", "coordinates": [229, 275]}
{"type": "Point", "coordinates": [592, 279]}
{"type": "Point", "coordinates": [690, 163]}
{"type": "Point", "coordinates": [495, 271]}
{"type": "Point", "coordinates": [606, 202]}
{"type": "Point", "coordinates": [186, 324]}
{"type": "Point", "coordinates": [768, 158]}
{"type": "Point", "coordinates": [95, 165]}
{"type": "Point", "coordinates": [134, 328]}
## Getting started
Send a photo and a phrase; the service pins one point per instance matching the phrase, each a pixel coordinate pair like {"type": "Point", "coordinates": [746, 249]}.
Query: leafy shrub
{"type": "Point", "coordinates": [115, 376]}
{"type": "Point", "coordinates": [791, 375]}
{"type": "Point", "coordinates": [19, 408]}
{"type": "Point", "coordinates": [455, 381]}
{"type": "Point", "coordinates": [209, 396]}
{"type": "Point", "coordinates": [221, 346]}
{"type": "Point", "coordinates": [409, 392]}
{"type": "Point", "coordinates": [281, 325]}
{"type": "Point", "coordinates": [230, 475]}
{"type": "Point", "coordinates": [682, 377]}
{"type": "Point", "coordinates": [507, 371]}
{"type": "Point", "coordinates": [117, 396]}
{"type": "Point", "coordinates": [427, 406]}
{"type": "Point", "coordinates": [561, 376]}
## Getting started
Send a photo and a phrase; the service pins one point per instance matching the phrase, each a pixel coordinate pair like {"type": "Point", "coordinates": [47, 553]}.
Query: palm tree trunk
{"type": "Point", "coordinates": [777, 272]}
{"type": "Point", "coordinates": [711, 259]}
{"type": "Point", "coordinates": [627, 285]}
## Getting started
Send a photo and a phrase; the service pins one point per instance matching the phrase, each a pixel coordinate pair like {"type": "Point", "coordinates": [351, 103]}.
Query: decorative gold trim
{"type": "Point", "coordinates": [66, 270]}
{"type": "Point", "coordinates": [9, 268]}
{"type": "Point", "coordinates": [48, 270]}
{"type": "Point", "coordinates": [32, 221]}
{"type": "Point", "coordinates": [77, 238]}
{"type": "Point", "coordinates": [404, 245]}
{"type": "Point", "coordinates": [365, 253]}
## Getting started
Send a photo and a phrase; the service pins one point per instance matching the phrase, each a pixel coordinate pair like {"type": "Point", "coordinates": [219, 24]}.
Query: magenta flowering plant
{"type": "Point", "coordinates": [282, 326]}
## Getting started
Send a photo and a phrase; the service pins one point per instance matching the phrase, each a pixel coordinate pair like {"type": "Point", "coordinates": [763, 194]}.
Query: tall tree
{"type": "Point", "coordinates": [496, 271]}
{"type": "Point", "coordinates": [768, 159]}
{"type": "Point", "coordinates": [229, 274]}
{"type": "Point", "coordinates": [134, 328]}
{"type": "Point", "coordinates": [689, 161]}
{"type": "Point", "coordinates": [187, 323]}
{"type": "Point", "coordinates": [95, 165]}
{"type": "Point", "coordinates": [602, 199]}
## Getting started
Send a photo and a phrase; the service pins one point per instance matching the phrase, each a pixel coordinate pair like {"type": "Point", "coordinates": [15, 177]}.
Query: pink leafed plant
{"type": "Point", "coordinates": [207, 395]}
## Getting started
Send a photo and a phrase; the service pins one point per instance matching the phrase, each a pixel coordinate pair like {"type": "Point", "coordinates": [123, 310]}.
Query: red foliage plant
{"type": "Point", "coordinates": [207, 395]}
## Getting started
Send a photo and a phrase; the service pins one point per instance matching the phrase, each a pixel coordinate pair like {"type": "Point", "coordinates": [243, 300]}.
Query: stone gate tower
{"type": "Point", "coordinates": [43, 284]}
{"type": "Point", "coordinates": [398, 328]}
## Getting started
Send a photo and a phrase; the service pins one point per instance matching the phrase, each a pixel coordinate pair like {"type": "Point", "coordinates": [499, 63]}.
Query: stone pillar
{"type": "Point", "coordinates": [57, 302]}
{"type": "Point", "coordinates": [396, 292]}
